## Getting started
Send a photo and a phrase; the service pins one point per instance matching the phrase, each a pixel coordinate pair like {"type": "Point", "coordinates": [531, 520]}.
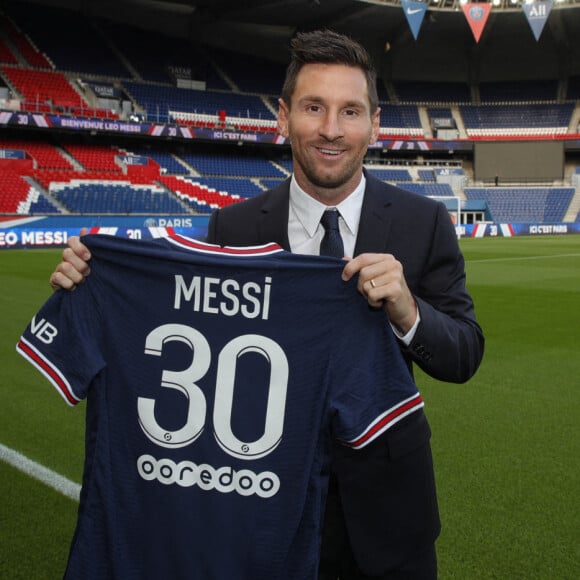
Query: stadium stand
{"type": "Point", "coordinates": [6, 55]}
{"type": "Point", "coordinates": [573, 89]}
{"type": "Point", "coordinates": [223, 165]}
{"type": "Point", "coordinates": [163, 103]}
{"type": "Point", "coordinates": [426, 175]}
{"type": "Point", "coordinates": [85, 50]}
{"type": "Point", "coordinates": [96, 157]}
{"type": "Point", "coordinates": [432, 93]}
{"type": "Point", "coordinates": [400, 120]}
{"type": "Point", "coordinates": [248, 74]}
{"type": "Point", "coordinates": [90, 179]}
{"type": "Point", "coordinates": [14, 191]}
{"type": "Point", "coordinates": [391, 174]}
{"type": "Point", "coordinates": [517, 119]}
{"type": "Point", "coordinates": [167, 162]}
{"type": "Point", "coordinates": [172, 80]}
{"type": "Point", "coordinates": [115, 198]}
{"type": "Point", "coordinates": [518, 92]}
{"type": "Point", "coordinates": [45, 91]}
{"type": "Point", "coordinates": [30, 54]}
{"type": "Point", "coordinates": [236, 187]}
{"type": "Point", "coordinates": [429, 189]}
{"type": "Point", "coordinates": [158, 58]}
{"type": "Point", "coordinates": [524, 204]}
{"type": "Point", "coordinates": [43, 154]}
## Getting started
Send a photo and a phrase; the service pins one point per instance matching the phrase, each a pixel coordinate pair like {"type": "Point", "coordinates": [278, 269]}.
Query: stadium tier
{"type": "Point", "coordinates": [109, 70]}
{"type": "Point", "coordinates": [85, 50]}
{"type": "Point", "coordinates": [524, 205]}
{"type": "Point", "coordinates": [432, 92]}
{"type": "Point", "coordinates": [522, 91]}
{"type": "Point", "coordinates": [71, 178]}
{"type": "Point", "coordinates": [167, 79]}
{"type": "Point", "coordinates": [517, 119]}
{"type": "Point", "coordinates": [25, 48]}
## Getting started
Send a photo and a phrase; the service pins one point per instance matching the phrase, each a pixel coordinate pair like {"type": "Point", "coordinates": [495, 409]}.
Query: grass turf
{"type": "Point", "coordinates": [505, 444]}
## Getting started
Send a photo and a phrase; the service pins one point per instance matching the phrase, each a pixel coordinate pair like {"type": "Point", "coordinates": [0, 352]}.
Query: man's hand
{"type": "Point", "coordinates": [382, 282]}
{"type": "Point", "coordinates": [74, 267]}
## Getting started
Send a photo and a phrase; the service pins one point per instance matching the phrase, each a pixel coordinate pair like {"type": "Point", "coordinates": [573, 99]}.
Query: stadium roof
{"type": "Point", "coordinates": [444, 49]}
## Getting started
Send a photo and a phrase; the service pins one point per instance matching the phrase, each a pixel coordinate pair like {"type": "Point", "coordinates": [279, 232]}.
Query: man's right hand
{"type": "Point", "coordinates": [74, 267]}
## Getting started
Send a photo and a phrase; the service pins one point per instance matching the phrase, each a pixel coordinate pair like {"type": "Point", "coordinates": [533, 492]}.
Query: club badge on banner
{"type": "Point", "coordinates": [477, 15]}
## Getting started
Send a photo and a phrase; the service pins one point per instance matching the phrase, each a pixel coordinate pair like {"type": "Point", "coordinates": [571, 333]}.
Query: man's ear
{"type": "Point", "coordinates": [376, 124]}
{"type": "Point", "coordinates": [283, 112]}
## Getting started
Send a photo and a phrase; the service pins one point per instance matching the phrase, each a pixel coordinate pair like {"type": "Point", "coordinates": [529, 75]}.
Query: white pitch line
{"type": "Point", "coordinates": [58, 482]}
{"type": "Point", "coordinates": [520, 258]}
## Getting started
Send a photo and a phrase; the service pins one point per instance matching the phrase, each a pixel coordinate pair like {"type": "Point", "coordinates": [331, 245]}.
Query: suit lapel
{"type": "Point", "coordinates": [374, 226]}
{"type": "Point", "coordinates": [273, 221]}
{"type": "Point", "coordinates": [375, 219]}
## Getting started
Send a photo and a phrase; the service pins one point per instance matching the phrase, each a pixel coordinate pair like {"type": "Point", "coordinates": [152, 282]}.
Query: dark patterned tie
{"type": "Point", "coordinates": [331, 244]}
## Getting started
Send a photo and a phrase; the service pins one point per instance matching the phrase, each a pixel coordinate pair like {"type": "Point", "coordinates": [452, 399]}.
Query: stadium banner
{"type": "Point", "coordinates": [476, 14]}
{"type": "Point", "coordinates": [164, 130]}
{"type": "Point", "coordinates": [410, 144]}
{"type": "Point", "coordinates": [499, 230]}
{"type": "Point", "coordinates": [19, 232]}
{"type": "Point", "coordinates": [54, 232]}
{"type": "Point", "coordinates": [133, 160]}
{"type": "Point", "coordinates": [415, 12]}
{"type": "Point", "coordinates": [105, 90]}
{"type": "Point", "coordinates": [444, 171]}
{"type": "Point", "coordinates": [116, 126]}
{"type": "Point", "coordinates": [12, 154]}
{"type": "Point", "coordinates": [537, 14]}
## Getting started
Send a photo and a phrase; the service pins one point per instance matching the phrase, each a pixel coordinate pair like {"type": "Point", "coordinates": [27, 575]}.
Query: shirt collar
{"type": "Point", "coordinates": [308, 210]}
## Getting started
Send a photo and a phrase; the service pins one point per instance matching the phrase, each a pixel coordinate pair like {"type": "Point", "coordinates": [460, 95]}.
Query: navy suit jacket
{"type": "Point", "coordinates": [387, 491]}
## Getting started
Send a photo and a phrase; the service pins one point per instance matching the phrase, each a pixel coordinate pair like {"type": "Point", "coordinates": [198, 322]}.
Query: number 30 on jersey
{"type": "Point", "coordinates": [186, 382]}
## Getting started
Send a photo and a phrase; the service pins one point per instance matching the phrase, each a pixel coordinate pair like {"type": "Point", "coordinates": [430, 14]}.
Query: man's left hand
{"type": "Point", "coordinates": [382, 282]}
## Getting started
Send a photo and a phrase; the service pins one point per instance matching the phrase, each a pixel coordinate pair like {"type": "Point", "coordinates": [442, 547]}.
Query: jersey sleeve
{"type": "Point", "coordinates": [373, 388]}
{"type": "Point", "coordinates": [61, 341]}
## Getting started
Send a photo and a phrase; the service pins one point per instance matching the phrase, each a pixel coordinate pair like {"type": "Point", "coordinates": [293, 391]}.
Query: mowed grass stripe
{"type": "Point", "coordinates": [515, 259]}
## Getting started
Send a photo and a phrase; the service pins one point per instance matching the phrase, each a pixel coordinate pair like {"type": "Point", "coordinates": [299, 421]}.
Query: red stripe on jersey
{"type": "Point", "coordinates": [213, 248]}
{"type": "Point", "coordinates": [386, 421]}
{"type": "Point", "coordinates": [50, 372]}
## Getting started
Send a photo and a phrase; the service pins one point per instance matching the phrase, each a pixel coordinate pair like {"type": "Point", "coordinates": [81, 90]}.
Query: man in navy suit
{"type": "Point", "coordinates": [382, 517]}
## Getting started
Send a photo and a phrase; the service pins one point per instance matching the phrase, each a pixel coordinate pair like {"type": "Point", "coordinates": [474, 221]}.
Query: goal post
{"type": "Point", "coordinates": [453, 205]}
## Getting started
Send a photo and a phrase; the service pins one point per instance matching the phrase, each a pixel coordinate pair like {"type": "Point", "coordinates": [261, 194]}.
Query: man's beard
{"type": "Point", "coordinates": [330, 179]}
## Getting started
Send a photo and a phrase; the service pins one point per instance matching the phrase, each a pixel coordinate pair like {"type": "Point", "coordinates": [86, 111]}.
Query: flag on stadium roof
{"type": "Point", "coordinates": [476, 14]}
{"type": "Point", "coordinates": [537, 14]}
{"type": "Point", "coordinates": [415, 12]}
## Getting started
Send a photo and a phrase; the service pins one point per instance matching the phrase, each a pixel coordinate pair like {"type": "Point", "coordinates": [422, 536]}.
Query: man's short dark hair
{"type": "Point", "coordinates": [328, 47]}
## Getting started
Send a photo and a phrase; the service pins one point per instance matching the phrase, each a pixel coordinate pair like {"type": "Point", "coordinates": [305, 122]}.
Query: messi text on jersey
{"type": "Point", "coordinates": [224, 296]}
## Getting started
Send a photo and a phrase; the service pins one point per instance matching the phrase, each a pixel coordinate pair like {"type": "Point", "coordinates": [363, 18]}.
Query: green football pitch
{"type": "Point", "coordinates": [506, 444]}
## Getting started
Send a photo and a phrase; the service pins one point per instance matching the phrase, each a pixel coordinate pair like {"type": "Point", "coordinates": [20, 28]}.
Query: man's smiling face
{"type": "Point", "coordinates": [330, 127]}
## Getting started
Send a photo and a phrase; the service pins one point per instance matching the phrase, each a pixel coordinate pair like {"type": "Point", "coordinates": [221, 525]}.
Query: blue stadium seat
{"type": "Point", "coordinates": [518, 204]}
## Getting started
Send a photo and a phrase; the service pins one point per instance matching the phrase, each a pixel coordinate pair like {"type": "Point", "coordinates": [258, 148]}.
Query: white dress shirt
{"type": "Point", "coordinates": [305, 232]}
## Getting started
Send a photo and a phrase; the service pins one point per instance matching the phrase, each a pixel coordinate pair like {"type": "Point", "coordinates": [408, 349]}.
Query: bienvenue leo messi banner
{"type": "Point", "coordinates": [54, 232]}
{"type": "Point", "coordinates": [22, 119]}
{"type": "Point", "coordinates": [10, 118]}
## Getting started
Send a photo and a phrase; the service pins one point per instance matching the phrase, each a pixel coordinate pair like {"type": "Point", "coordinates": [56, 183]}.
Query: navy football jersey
{"type": "Point", "coordinates": [216, 380]}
